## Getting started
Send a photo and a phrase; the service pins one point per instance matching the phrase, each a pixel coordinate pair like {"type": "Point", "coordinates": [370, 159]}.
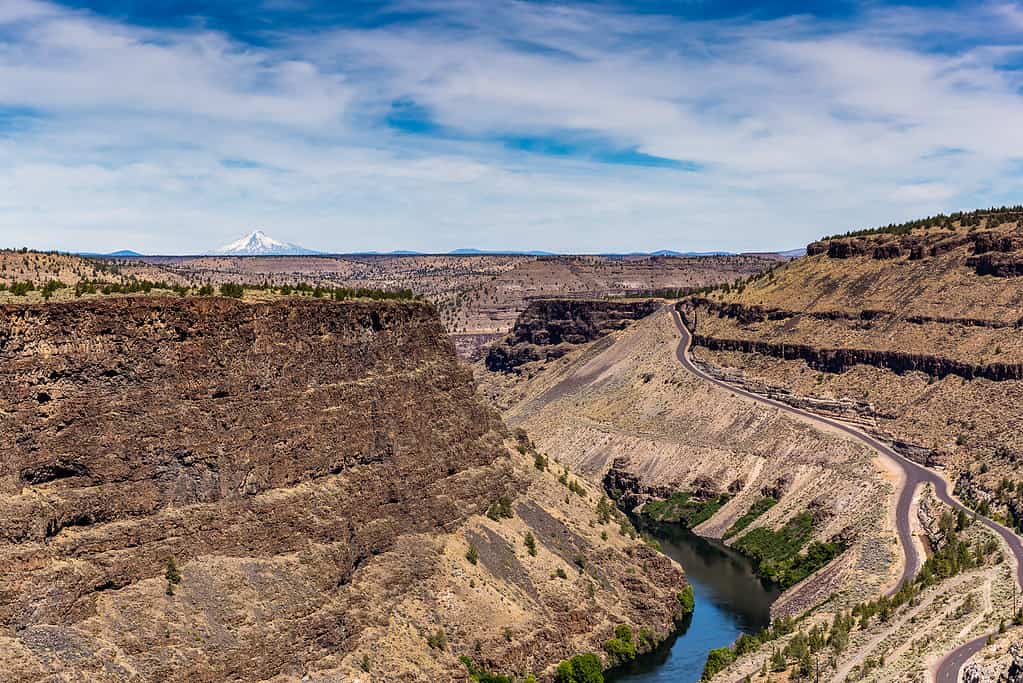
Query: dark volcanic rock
{"type": "Point", "coordinates": [549, 328]}
{"type": "Point", "coordinates": [915, 247]}
{"type": "Point", "coordinates": [306, 463]}
{"type": "Point", "coordinates": [848, 248]}
{"type": "Point", "coordinates": [999, 266]}
{"type": "Point", "coordinates": [210, 427]}
{"type": "Point", "coordinates": [840, 360]}
{"type": "Point", "coordinates": [986, 241]}
{"type": "Point", "coordinates": [748, 314]}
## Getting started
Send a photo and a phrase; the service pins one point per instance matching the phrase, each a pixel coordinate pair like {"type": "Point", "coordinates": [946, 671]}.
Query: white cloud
{"type": "Point", "coordinates": [803, 127]}
{"type": "Point", "coordinates": [62, 61]}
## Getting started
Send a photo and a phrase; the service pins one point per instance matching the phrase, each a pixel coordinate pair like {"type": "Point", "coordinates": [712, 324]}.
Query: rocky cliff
{"type": "Point", "coordinates": [840, 360]}
{"type": "Point", "coordinates": [203, 489]}
{"type": "Point", "coordinates": [920, 322]}
{"type": "Point", "coordinates": [549, 328]}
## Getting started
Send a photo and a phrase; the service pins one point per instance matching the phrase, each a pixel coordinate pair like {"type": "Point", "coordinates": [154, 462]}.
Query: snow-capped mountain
{"type": "Point", "coordinates": [259, 243]}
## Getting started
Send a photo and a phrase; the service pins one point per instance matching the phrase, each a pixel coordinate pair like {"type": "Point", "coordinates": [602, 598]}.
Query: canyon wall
{"type": "Point", "coordinates": [549, 328]}
{"type": "Point", "coordinates": [904, 323]}
{"type": "Point", "coordinates": [315, 472]}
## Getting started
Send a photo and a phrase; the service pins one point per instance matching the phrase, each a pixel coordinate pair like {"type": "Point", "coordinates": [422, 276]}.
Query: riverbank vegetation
{"type": "Point", "coordinates": [684, 508]}
{"type": "Point", "coordinates": [758, 508]}
{"type": "Point", "coordinates": [582, 668]}
{"type": "Point", "coordinates": [799, 655]}
{"type": "Point", "coordinates": [625, 646]}
{"type": "Point", "coordinates": [777, 556]}
{"type": "Point", "coordinates": [686, 601]}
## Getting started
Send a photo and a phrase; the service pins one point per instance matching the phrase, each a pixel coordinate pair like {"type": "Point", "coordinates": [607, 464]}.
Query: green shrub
{"type": "Point", "coordinates": [50, 287]}
{"type": "Point", "coordinates": [22, 288]}
{"type": "Point", "coordinates": [576, 488]}
{"type": "Point", "coordinates": [172, 573]}
{"type": "Point", "coordinates": [539, 462]}
{"type": "Point", "coordinates": [681, 508]}
{"type": "Point", "coordinates": [686, 600]}
{"type": "Point", "coordinates": [438, 640]}
{"type": "Point", "coordinates": [717, 660]}
{"type": "Point", "coordinates": [746, 644]}
{"type": "Point", "coordinates": [472, 554]}
{"type": "Point", "coordinates": [232, 289]}
{"type": "Point", "coordinates": [501, 508]}
{"type": "Point", "coordinates": [621, 649]}
{"type": "Point", "coordinates": [584, 668]}
{"type": "Point", "coordinates": [652, 542]}
{"type": "Point", "coordinates": [530, 543]}
{"type": "Point", "coordinates": [758, 508]}
{"type": "Point", "coordinates": [778, 662]}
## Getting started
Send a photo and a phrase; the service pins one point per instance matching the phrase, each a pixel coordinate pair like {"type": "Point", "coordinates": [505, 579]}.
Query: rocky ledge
{"type": "Point", "coordinates": [995, 252]}
{"type": "Point", "coordinates": [750, 314]}
{"type": "Point", "coordinates": [549, 328]}
{"type": "Point", "coordinates": [840, 360]}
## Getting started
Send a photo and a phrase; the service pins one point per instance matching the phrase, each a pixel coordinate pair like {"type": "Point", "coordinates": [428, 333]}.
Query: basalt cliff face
{"type": "Point", "coordinates": [910, 324]}
{"type": "Point", "coordinates": [317, 471]}
{"type": "Point", "coordinates": [550, 328]}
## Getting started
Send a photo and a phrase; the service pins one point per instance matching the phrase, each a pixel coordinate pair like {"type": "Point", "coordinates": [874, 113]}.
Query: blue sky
{"type": "Point", "coordinates": [172, 127]}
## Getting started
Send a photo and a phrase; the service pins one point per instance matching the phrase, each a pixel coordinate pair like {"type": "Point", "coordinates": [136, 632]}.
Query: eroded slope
{"type": "Point", "coordinates": [917, 328]}
{"type": "Point", "coordinates": [317, 471]}
{"type": "Point", "coordinates": [625, 413]}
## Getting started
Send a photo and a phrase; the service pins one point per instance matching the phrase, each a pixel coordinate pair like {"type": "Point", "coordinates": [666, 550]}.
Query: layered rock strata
{"type": "Point", "coordinates": [314, 472]}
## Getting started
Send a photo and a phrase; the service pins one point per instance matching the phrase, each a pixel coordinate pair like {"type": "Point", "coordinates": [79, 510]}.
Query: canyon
{"type": "Point", "coordinates": [306, 465]}
{"type": "Point", "coordinates": [202, 488]}
{"type": "Point", "coordinates": [478, 296]}
{"type": "Point", "coordinates": [903, 335]}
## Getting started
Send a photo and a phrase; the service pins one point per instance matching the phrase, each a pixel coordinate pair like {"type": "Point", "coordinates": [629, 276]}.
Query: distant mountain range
{"type": "Point", "coordinates": [485, 252]}
{"type": "Point", "coordinates": [113, 254]}
{"type": "Point", "coordinates": [514, 252]}
{"type": "Point", "coordinates": [258, 243]}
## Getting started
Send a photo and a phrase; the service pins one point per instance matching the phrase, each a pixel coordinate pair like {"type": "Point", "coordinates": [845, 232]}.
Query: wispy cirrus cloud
{"type": "Point", "coordinates": [432, 124]}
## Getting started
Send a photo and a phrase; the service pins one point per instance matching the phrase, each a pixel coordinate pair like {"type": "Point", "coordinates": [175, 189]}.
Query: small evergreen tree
{"type": "Point", "coordinates": [172, 575]}
{"type": "Point", "coordinates": [530, 543]}
{"type": "Point", "coordinates": [778, 662]}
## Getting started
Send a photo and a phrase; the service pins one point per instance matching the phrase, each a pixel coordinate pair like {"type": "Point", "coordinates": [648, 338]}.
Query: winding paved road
{"type": "Point", "coordinates": [949, 667]}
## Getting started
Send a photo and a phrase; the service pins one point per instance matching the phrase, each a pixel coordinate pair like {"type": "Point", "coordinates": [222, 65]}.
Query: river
{"type": "Point", "coordinates": [730, 600]}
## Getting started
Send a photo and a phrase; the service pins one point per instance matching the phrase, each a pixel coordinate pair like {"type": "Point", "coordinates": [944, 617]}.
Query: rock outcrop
{"type": "Point", "coordinates": [549, 328]}
{"type": "Point", "coordinates": [314, 471]}
{"type": "Point", "coordinates": [996, 251]}
{"type": "Point", "coordinates": [998, 266]}
{"type": "Point", "coordinates": [747, 314]}
{"type": "Point", "coordinates": [840, 360]}
{"type": "Point", "coordinates": [930, 340]}
{"type": "Point", "coordinates": [1005, 669]}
